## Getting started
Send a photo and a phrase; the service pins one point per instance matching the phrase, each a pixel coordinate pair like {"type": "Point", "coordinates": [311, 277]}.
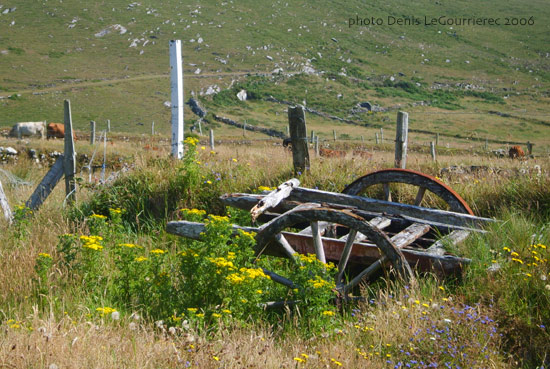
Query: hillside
{"type": "Point", "coordinates": [111, 61]}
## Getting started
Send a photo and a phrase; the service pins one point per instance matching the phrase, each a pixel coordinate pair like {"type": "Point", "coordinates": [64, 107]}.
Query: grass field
{"type": "Point", "coordinates": [52, 53]}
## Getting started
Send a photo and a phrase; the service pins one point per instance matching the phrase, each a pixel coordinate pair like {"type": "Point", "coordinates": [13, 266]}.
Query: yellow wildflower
{"type": "Point", "coordinates": [192, 310]}
{"type": "Point", "coordinates": [45, 255]}
{"type": "Point", "coordinates": [328, 313]}
{"type": "Point", "coordinates": [139, 259]}
{"type": "Point", "coordinates": [216, 315]}
{"type": "Point", "coordinates": [98, 216]}
{"type": "Point", "coordinates": [157, 251]}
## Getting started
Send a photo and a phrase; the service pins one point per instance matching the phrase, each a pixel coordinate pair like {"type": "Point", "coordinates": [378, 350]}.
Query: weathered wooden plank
{"type": "Point", "coordinates": [364, 203]}
{"type": "Point", "coordinates": [455, 237]}
{"type": "Point", "coordinates": [4, 204]}
{"type": "Point", "coordinates": [375, 208]}
{"type": "Point", "coordinates": [47, 184]}
{"type": "Point", "coordinates": [378, 222]}
{"type": "Point", "coordinates": [193, 230]}
{"type": "Point", "coordinates": [410, 234]}
{"type": "Point", "coordinates": [274, 198]}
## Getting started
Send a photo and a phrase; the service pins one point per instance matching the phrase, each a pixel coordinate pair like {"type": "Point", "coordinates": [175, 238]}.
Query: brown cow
{"type": "Point", "coordinates": [516, 152]}
{"type": "Point", "coordinates": [57, 130]}
{"type": "Point", "coordinates": [363, 154]}
{"type": "Point", "coordinates": [332, 153]}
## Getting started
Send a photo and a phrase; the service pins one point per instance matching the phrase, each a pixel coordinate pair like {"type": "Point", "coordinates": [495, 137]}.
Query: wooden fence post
{"type": "Point", "coordinates": [69, 162]}
{"type": "Point", "coordinates": [377, 138]}
{"type": "Point", "coordinates": [211, 139]}
{"type": "Point", "coordinates": [5, 205]}
{"type": "Point", "coordinates": [298, 135]}
{"type": "Point", "coordinates": [287, 131]}
{"type": "Point", "coordinates": [200, 127]}
{"type": "Point", "coordinates": [312, 140]}
{"type": "Point", "coordinates": [486, 145]}
{"type": "Point", "coordinates": [432, 150]}
{"type": "Point", "coordinates": [362, 141]}
{"type": "Point", "coordinates": [153, 128]}
{"type": "Point", "coordinates": [92, 132]}
{"type": "Point", "coordinates": [381, 135]}
{"type": "Point", "coordinates": [244, 129]}
{"type": "Point", "coordinates": [108, 125]}
{"type": "Point", "coordinates": [401, 140]}
{"type": "Point", "coordinates": [529, 148]}
{"type": "Point", "coordinates": [334, 134]}
{"type": "Point", "coordinates": [317, 146]}
{"type": "Point", "coordinates": [176, 88]}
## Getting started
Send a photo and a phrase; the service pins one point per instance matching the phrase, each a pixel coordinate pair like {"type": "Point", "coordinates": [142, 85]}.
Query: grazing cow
{"type": "Point", "coordinates": [28, 129]}
{"type": "Point", "coordinates": [328, 153]}
{"type": "Point", "coordinates": [57, 130]}
{"type": "Point", "coordinates": [363, 154]}
{"type": "Point", "coordinates": [516, 152]}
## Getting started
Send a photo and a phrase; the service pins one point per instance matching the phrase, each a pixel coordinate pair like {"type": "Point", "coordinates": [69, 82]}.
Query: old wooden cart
{"type": "Point", "coordinates": [359, 234]}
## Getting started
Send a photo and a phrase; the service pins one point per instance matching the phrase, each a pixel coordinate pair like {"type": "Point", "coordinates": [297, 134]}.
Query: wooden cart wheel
{"type": "Point", "coordinates": [272, 239]}
{"type": "Point", "coordinates": [423, 181]}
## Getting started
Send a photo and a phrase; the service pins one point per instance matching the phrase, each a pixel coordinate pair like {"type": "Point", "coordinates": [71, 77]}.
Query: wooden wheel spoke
{"type": "Point", "coordinates": [317, 241]}
{"type": "Point", "coordinates": [387, 192]}
{"type": "Point", "coordinates": [282, 241]}
{"type": "Point", "coordinates": [419, 196]}
{"type": "Point", "coordinates": [344, 258]}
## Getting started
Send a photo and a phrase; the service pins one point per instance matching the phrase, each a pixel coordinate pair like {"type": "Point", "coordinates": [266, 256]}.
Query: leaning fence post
{"type": "Point", "coordinates": [69, 162]}
{"type": "Point", "coordinates": [48, 183]}
{"type": "Point", "coordinates": [92, 132]}
{"type": "Point", "coordinates": [5, 205]}
{"type": "Point", "coordinates": [211, 139]}
{"type": "Point", "coordinates": [298, 135]}
{"type": "Point", "coordinates": [432, 150]}
{"type": "Point", "coordinates": [401, 140]}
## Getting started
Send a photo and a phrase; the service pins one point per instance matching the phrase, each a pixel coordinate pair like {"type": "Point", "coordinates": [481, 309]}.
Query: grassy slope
{"type": "Point", "coordinates": [43, 53]}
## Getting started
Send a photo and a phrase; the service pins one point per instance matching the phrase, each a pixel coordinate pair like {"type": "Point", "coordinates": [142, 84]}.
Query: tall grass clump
{"type": "Point", "coordinates": [510, 271]}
